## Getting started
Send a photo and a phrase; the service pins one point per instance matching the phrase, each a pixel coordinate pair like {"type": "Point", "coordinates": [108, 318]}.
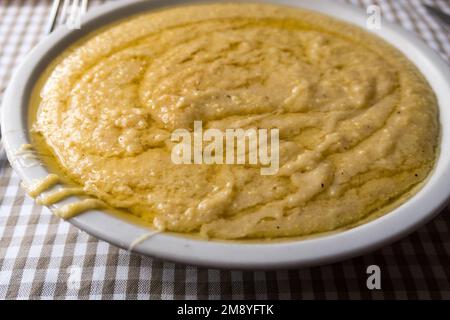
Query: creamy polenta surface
{"type": "Point", "coordinates": [357, 122]}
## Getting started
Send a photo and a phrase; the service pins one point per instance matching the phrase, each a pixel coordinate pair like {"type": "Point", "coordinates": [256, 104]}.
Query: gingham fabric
{"type": "Point", "coordinates": [40, 254]}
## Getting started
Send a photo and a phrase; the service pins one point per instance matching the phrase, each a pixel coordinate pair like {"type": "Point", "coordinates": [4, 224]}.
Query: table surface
{"type": "Point", "coordinates": [41, 254]}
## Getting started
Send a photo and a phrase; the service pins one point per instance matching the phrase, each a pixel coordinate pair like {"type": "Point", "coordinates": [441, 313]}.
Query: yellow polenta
{"type": "Point", "coordinates": [357, 122]}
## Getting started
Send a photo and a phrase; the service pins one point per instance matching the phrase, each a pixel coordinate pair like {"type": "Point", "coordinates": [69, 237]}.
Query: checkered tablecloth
{"type": "Point", "coordinates": [40, 254]}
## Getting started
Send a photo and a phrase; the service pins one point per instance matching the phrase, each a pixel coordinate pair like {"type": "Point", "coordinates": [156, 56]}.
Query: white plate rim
{"type": "Point", "coordinates": [326, 249]}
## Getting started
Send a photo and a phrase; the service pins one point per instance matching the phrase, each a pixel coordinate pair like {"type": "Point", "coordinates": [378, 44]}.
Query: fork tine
{"type": "Point", "coordinates": [84, 5]}
{"type": "Point", "coordinates": [75, 14]}
{"type": "Point", "coordinates": [53, 15]}
{"type": "Point", "coordinates": [64, 11]}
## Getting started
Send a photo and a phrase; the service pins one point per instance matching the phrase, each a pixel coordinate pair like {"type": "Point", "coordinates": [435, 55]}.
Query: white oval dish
{"type": "Point", "coordinates": [319, 250]}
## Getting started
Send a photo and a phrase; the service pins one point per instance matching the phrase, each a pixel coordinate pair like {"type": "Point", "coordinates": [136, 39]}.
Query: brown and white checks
{"type": "Point", "coordinates": [39, 252]}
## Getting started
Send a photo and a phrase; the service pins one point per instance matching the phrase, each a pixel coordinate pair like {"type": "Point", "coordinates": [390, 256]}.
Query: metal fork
{"type": "Point", "coordinates": [71, 13]}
